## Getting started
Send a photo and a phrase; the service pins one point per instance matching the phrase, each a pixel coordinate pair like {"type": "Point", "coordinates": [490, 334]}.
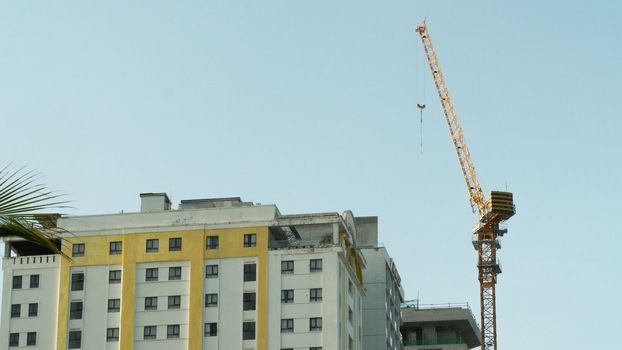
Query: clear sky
{"type": "Point", "coordinates": [311, 105]}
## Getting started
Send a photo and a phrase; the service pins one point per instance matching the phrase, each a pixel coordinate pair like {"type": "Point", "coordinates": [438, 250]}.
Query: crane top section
{"type": "Point", "coordinates": [499, 204]}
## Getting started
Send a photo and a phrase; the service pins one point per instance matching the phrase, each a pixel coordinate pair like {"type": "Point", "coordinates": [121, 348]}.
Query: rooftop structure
{"type": "Point", "coordinates": [439, 327]}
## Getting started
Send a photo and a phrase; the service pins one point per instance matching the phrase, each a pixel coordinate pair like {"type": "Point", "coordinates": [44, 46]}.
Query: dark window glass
{"type": "Point", "coordinates": [174, 243]}
{"type": "Point", "coordinates": [315, 324]}
{"type": "Point", "coordinates": [287, 266]}
{"type": "Point", "coordinates": [75, 340]}
{"type": "Point", "coordinates": [211, 271]}
{"type": "Point", "coordinates": [33, 309]}
{"type": "Point", "coordinates": [350, 314]}
{"type": "Point", "coordinates": [75, 310]}
{"type": "Point", "coordinates": [250, 240]}
{"type": "Point", "coordinates": [116, 247]}
{"type": "Point", "coordinates": [114, 276]}
{"type": "Point", "coordinates": [114, 305]}
{"type": "Point", "coordinates": [150, 332]}
{"type": "Point", "coordinates": [174, 302]}
{"type": "Point", "coordinates": [315, 348]}
{"type": "Point", "coordinates": [287, 325]}
{"type": "Point", "coordinates": [211, 300]}
{"type": "Point", "coordinates": [174, 273]}
{"type": "Point", "coordinates": [151, 274]}
{"type": "Point", "coordinates": [77, 249]}
{"type": "Point", "coordinates": [17, 282]}
{"type": "Point", "coordinates": [152, 245]}
{"type": "Point", "coordinates": [211, 242]}
{"type": "Point", "coordinates": [112, 334]}
{"type": "Point", "coordinates": [34, 281]}
{"type": "Point", "coordinates": [248, 330]}
{"type": "Point", "coordinates": [151, 303]}
{"type": "Point", "coordinates": [287, 296]}
{"type": "Point", "coordinates": [250, 272]}
{"type": "Point", "coordinates": [315, 294]}
{"type": "Point", "coordinates": [211, 329]}
{"type": "Point", "coordinates": [77, 281]}
{"type": "Point", "coordinates": [16, 310]}
{"type": "Point", "coordinates": [315, 265]}
{"type": "Point", "coordinates": [249, 301]}
{"type": "Point", "coordinates": [31, 338]}
{"type": "Point", "coordinates": [172, 331]}
{"type": "Point", "coordinates": [14, 339]}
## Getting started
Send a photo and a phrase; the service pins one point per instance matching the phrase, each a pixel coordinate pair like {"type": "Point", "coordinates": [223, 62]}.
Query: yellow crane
{"type": "Point", "coordinates": [497, 208]}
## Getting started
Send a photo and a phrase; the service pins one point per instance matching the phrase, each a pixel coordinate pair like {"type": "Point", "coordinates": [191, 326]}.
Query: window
{"type": "Point", "coordinates": [287, 296]}
{"type": "Point", "coordinates": [114, 276]}
{"type": "Point", "coordinates": [315, 324]}
{"type": "Point", "coordinates": [287, 325]}
{"type": "Point", "coordinates": [350, 343]}
{"type": "Point", "coordinates": [150, 332]}
{"type": "Point", "coordinates": [211, 242]}
{"type": "Point", "coordinates": [16, 310]}
{"type": "Point", "coordinates": [211, 300]}
{"type": "Point", "coordinates": [174, 273]}
{"type": "Point", "coordinates": [75, 310]}
{"type": "Point", "coordinates": [34, 281]}
{"type": "Point", "coordinates": [112, 334]}
{"type": "Point", "coordinates": [250, 240]}
{"type": "Point", "coordinates": [151, 303]}
{"type": "Point", "coordinates": [172, 331]}
{"type": "Point", "coordinates": [75, 340]}
{"type": "Point", "coordinates": [211, 329]}
{"type": "Point", "coordinates": [152, 245]}
{"type": "Point", "coordinates": [350, 314]}
{"type": "Point", "coordinates": [174, 244]}
{"type": "Point", "coordinates": [116, 247]}
{"type": "Point", "coordinates": [114, 305]}
{"type": "Point", "coordinates": [248, 330]}
{"type": "Point", "coordinates": [77, 249]}
{"type": "Point", "coordinates": [17, 282]}
{"type": "Point", "coordinates": [211, 271]}
{"type": "Point", "coordinates": [151, 274]}
{"type": "Point", "coordinates": [315, 294]}
{"type": "Point", "coordinates": [315, 348]}
{"type": "Point", "coordinates": [77, 281]}
{"type": "Point", "coordinates": [14, 339]}
{"type": "Point", "coordinates": [33, 309]}
{"type": "Point", "coordinates": [174, 302]}
{"type": "Point", "coordinates": [31, 338]}
{"type": "Point", "coordinates": [350, 287]}
{"type": "Point", "coordinates": [249, 301]}
{"type": "Point", "coordinates": [250, 272]}
{"type": "Point", "coordinates": [315, 265]}
{"type": "Point", "coordinates": [287, 266]}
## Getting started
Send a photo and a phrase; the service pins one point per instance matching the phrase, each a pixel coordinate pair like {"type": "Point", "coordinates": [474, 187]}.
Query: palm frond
{"type": "Point", "coordinates": [22, 198]}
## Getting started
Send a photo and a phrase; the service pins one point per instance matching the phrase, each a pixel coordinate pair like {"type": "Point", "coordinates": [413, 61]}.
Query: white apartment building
{"type": "Point", "coordinates": [213, 274]}
{"type": "Point", "coordinates": [384, 293]}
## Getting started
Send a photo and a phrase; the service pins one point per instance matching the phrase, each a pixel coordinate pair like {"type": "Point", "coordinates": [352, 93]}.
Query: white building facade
{"type": "Point", "coordinates": [215, 274]}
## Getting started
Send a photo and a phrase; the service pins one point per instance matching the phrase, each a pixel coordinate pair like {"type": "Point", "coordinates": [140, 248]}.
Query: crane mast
{"type": "Point", "coordinates": [495, 209]}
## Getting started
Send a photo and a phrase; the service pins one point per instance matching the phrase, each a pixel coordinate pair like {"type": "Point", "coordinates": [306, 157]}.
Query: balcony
{"type": "Point", "coordinates": [438, 341]}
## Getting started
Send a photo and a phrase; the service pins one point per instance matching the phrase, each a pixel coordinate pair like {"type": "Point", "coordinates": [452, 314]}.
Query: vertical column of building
{"type": "Point", "coordinates": [195, 250]}
{"type": "Point", "coordinates": [126, 339]}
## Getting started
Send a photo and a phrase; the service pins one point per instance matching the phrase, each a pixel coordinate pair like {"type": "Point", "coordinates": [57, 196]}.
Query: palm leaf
{"type": "Point", "coordinates": [22, 198]}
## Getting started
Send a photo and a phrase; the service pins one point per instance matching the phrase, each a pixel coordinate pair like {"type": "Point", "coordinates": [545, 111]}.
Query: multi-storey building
{"type": "Point", "coordinates": [439, 327]}
{"type": "Point", "coordinates": [383, 290]}
{"type": "Point", "coordinates": [214, 274]}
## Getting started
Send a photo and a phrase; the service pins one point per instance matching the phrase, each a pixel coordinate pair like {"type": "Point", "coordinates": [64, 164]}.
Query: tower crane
{"type": "Point", "coordinates": [493, 211]}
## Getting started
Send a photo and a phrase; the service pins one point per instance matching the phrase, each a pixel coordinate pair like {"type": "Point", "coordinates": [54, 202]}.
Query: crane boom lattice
{"type": "Point", "coordinates": [493, 211]}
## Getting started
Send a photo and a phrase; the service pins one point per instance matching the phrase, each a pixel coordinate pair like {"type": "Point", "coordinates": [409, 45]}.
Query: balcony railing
{"type": "Point", "coordinates": [438, 341]}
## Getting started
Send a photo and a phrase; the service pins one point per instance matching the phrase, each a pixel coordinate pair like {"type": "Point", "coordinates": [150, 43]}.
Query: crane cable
{"type": "Point", "coordinates": [420, 92]}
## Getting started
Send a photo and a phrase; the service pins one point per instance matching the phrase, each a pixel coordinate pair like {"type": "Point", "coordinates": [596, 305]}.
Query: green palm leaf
{"type": "Point", "coordinates": [22, 198]}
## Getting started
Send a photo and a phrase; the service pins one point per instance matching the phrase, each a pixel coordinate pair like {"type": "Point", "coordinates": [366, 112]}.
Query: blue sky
{"type": "Point", "coordinates": [311, 105]}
